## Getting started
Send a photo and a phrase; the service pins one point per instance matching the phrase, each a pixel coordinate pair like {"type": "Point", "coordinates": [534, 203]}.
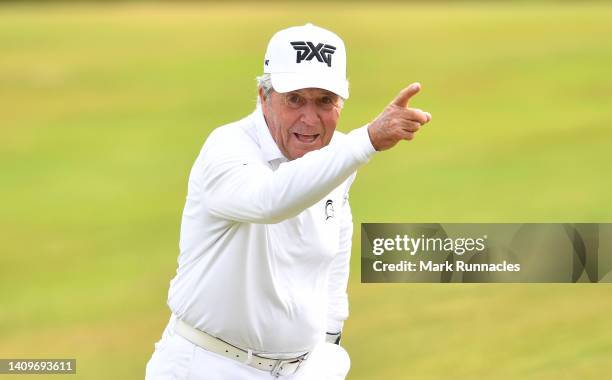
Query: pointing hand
{"type": "Point", "coordinates": [397, 121]}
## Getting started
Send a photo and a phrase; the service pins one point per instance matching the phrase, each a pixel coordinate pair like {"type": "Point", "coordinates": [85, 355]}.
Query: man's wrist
{"type": "Point", "coordinates": [369, 129]}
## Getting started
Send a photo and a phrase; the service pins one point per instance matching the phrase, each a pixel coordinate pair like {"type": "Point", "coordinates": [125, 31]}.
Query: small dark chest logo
{"type": "Point", "coordinates": [307, 50]}
{"type": "Point", "coordinates": [329, 209]}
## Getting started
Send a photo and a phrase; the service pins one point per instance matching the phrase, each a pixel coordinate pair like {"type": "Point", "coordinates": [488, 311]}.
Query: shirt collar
{"type": "Point", "coordinates": [268, 146]}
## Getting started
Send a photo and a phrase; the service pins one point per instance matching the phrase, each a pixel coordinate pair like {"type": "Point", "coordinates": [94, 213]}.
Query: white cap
{"type": "Point", "coordinates": [307, 56]}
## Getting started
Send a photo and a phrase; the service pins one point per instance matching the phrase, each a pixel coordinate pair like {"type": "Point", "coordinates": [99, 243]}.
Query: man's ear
{"type": "Point", "coordinates": [262, 98]}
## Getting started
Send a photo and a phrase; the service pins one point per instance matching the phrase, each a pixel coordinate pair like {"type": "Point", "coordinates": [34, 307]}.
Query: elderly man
{"type": "Point", "coordinates": [260, 290]}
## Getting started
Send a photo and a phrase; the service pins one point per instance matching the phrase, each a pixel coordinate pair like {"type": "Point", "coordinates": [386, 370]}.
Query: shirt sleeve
{"type": "Point", "coordinates": [238, 186]}
{"type": "Point", "coordinates": [337, 298]}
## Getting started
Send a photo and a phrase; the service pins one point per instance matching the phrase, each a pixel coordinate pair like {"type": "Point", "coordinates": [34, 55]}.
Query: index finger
{"type": "Point", "coordinates": [404, 96]}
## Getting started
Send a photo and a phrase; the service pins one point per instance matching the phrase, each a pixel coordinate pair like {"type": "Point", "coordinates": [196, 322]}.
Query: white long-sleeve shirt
{"type": "Point", "coordinates": [265, 242]}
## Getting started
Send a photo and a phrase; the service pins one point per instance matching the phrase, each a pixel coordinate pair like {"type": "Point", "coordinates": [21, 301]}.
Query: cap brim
{"type": "Point", "coordinates": [285, 82]}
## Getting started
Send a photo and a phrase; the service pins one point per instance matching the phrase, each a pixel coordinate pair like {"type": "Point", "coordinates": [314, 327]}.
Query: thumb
{"type": "Point", "coordinates": [404, 96]}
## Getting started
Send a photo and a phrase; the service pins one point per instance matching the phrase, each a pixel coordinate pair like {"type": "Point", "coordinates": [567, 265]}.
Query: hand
{"type": "Point", "coordinates": [397, 121]}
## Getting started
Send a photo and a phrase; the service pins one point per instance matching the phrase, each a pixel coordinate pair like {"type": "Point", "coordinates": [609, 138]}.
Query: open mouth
{"type": "Point", "coordinates": [307, 139]}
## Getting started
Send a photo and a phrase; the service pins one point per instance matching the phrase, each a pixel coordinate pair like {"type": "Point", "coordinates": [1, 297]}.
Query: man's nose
{"type": "Point", "coordinates": [310, 114]}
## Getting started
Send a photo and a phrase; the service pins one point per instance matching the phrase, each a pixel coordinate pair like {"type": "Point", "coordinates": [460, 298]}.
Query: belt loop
{"type": "Point", "coordinates": [249, 357]}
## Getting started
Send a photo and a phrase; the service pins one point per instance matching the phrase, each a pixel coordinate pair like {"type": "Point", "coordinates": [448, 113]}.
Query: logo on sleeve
{"type": "Point", "coordinates": [329, 209]}
{"type": "Point", "coordinates": [306, 51]}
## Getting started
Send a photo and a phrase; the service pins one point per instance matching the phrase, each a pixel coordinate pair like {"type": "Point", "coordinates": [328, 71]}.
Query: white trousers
{"type": "Point", "coordinates": [176, 358]}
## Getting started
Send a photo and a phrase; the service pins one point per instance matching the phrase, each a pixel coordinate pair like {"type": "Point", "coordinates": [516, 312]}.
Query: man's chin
{"type": "Point", "coordinates": [301, 151]}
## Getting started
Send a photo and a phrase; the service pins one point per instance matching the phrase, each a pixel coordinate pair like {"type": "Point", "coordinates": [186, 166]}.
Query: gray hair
{"type": "Point", "coordinates": [264, 82]}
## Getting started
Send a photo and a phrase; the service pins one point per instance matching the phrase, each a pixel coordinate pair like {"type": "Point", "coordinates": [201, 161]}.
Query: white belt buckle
{"type": "Point", "coordinates": [278, 369]}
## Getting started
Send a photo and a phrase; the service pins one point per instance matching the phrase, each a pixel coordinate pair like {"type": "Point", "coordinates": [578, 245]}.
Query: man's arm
{"type": "Point", "coordinates": [238, 187]}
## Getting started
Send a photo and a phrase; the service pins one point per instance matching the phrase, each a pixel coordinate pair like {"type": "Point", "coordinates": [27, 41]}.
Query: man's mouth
{"type": "Point", "coordinates": [307, 139]}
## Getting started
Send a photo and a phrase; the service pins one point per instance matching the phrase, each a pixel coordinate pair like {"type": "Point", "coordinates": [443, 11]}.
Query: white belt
{"type": "Point", "coordinates": [277, 367]}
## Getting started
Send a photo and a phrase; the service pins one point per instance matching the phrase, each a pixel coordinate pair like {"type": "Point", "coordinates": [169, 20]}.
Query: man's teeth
{"type": "Point", "coordinates": [306, 138]}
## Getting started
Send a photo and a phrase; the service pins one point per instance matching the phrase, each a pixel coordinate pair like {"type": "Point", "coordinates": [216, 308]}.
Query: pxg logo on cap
{"type": "Point", "coordinates": [307, 56]}
{"type": "Point", "coordinates": [307, 51]}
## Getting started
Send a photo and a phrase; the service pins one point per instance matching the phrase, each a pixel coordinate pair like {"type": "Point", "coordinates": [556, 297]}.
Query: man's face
{"type": "Point", "coordinates": [301, 121]}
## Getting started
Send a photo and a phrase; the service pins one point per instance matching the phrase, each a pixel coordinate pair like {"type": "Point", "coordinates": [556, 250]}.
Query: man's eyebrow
{"type": "Point", "coordinates": [298, 92]}
{"type": "Point", "coordinates": [319, 92]}
{"type": "Point", "coordinates": [326, 93]}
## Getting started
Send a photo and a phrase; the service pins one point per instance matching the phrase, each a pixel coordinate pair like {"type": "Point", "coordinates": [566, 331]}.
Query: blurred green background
{"type": "Point", "coordinates": [104, 107]}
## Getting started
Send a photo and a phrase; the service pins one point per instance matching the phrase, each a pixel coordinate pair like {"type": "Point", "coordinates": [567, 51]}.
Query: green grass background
{"type": "Point", "coordinates": [103, 109]}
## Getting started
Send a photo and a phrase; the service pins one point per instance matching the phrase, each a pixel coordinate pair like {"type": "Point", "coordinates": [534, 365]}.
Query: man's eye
{"type": "Point", "coordinates": [327, 100]}
{"type": "Point", "coordinates": [294, 99]}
